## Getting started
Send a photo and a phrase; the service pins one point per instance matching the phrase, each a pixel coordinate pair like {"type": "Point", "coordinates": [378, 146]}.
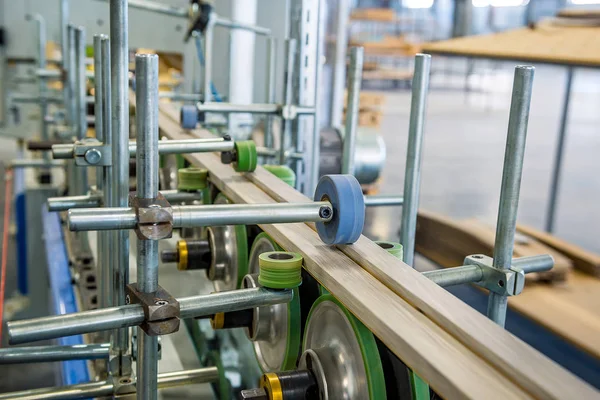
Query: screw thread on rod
{"type": "Point", "coordinates": [418, 108]}
{"type": "Point", "coordinates": [511, 183]}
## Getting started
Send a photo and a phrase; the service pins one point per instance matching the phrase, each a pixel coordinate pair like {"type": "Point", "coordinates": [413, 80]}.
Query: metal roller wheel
{"type": "Point", "coordinates": [229, 249]}
{"type": "Point", "coordinates": [342, 353]}
{"type": "Point", "coordinates": [276, 334]}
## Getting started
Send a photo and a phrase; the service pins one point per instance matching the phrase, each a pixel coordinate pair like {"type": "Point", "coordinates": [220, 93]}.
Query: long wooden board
{"type": "Point", "coordinates": [570, 309]}
{"type": "Point", "coordinates": [523, 365]}
{"type": "Point", "coordinates": [546, 44]}
{"type": "Point", "coordinates": [583, 260]}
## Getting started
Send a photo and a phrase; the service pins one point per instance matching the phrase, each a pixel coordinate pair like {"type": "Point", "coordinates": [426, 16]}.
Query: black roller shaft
{"type": "Point", "coordinates": [236, 319]}
{"type": "Point", "coordinates": [199, 256]}
{"type": "Point", "coordinates": [298, 385]}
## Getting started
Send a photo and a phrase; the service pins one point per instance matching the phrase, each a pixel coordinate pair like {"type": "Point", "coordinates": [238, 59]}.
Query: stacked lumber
{"type": "Point", "coordinates": [373, 14]}
{"type": "Point", "coordinates": [569, 306]}
{"type": "Point", "coordinates": [370, 114]}
{"type": "Point", "coordinates": [459, 352]}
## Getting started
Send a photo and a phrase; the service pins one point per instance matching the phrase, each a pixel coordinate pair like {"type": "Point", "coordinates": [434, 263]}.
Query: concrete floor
{"type": "Point", "coordinates": [464, 144]}
{"type": "Point", "coordinates": [463, 151]}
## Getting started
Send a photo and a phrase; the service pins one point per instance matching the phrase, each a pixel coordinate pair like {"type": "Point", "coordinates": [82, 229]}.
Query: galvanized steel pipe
{"type": "Point", "coordinates": [35, 354]}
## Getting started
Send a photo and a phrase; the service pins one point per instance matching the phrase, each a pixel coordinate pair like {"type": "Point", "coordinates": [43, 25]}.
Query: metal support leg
{"type": "Point", "coordinates": [315, 157]}
{"type": "Point", "coordinates": [64, 46]}
{"type": "Point", "coordinates": [511, 183]}
{"type": "Point", "coordinates": [80, 103]}
{"type": "Point", "coordinates": [146, 71]}
{"type": "Point", "coordinates": [412, 180]}
{"type": "Point", "coordinates": [208, 51]}
{"type": "Point", "coordinates": [286, 125]}
{"type": "Point", "coordinates": [352, 109]}
{"type": "Point", "coordinates": [119, 62]}
{"type": "Point", "coordinates": [554, 184]}
{"type": "Point", "coordinates": [272, 63]}
{"type": "Point", "coordinates": [107, 290]}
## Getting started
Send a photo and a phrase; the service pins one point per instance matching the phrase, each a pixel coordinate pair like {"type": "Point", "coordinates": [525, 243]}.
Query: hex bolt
{"type": "Point", "coordinates": [93, 156]}
{"type": "Point", "coordinates": [325, 212]}
{"type": "Point", "coordinates": [161, 302]}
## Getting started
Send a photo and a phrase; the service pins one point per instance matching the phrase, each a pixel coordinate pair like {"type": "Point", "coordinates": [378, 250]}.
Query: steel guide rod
{"type": "Point", "coordinates": [352, 109]}
{"type": "Point", "coordinates": [107, 387]}
{"type": "Point", "coordinates": [119, 64]}
{"type": "Point", "coordinates": [474, 273]}
{"type": "Point", "coordinates": [41, 27]}
{"type": "Point", "coordinates": [97, 219]}
{"type": "Point", "coordinates": [184, 146]}
{"type": "Point", "coordinates": [146, 71]}
{"type": "Point", "coordinates": [256, 108]}
{"type": "Point", "coordinates": [382, 200]}
{"type": "Point", "coordinates": [511, 183]}
{"type": "Point", "coordinates": [412, 180]}
{"type": "Point", "coordinates": [56, 326]}
{"type": "Point", "coordinates": [35, 354]}
{"type": "Point", "coordinates": [80, 104]}
{"type": "Point", "coordinates": [96, 200]}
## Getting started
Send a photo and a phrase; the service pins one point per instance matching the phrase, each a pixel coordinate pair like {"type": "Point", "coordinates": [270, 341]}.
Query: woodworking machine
{"type": "Point", "coordinates": [244, 256]}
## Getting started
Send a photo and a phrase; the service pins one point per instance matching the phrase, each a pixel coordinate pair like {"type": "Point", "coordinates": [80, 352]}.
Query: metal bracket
{"type": "Point", "coordinates": [124, 387]}
{"type": "Point", "coordinates": [289, 112]}
{"type": "Point", "coordinates": [161, 310]}
{"type": "Point", "coordinates": [154, 217]}
{"type": "Point", "coordinates": [509, 282]}
{"type": "Point", "coordinates": [91, 152]}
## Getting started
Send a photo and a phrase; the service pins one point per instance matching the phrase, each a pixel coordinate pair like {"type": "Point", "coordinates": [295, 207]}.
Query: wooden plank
{"type": "Point", "coordinates": [450, 368]}
{"type": "Point", "coordinates": [570, 310]}
{"type": "Point", "coordinates": [447, 242]}
{"type": "Point", "coordinates": [545, 44]}
{"type": "Point", "coordinates": [583, 260]}
{"type": "Point", "coordinates": [523, 365]}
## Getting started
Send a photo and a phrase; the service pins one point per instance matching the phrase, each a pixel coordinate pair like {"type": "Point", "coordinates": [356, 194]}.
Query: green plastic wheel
{"type": "Point", "coordinates": [329, 317]}
{"type": "Point", "coordinates": [393, 248]}
{"type": "Point", "coordinates": [283, 172]}
{"type": "Point", "coordinates": [246, 156]}
{"type": "Point", "coordinates": [192, 179]}
{"type": "Point", "coordinates": [280, 270]}
{"type": "Point", "coordinates": [281, 354]}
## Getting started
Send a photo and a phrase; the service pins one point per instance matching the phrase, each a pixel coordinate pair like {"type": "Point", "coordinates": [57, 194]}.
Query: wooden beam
{"type": "Point", "coordinates": [583, 260]}
{"type": "Point", "coordinates": [529, 369]}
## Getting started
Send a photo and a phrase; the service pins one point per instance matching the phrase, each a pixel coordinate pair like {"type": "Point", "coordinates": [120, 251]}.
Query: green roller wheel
{"type": "Point", "coordinates": [280, 270]}
{"type": "Point", "coordinates": [246, 157]}
{"type": "Point", "coordinates": [278, 352]}
{"type": "Point", "coordinates": [222, 387]}
{"type": "Point", "coordinates": [192, 179]}
{"type": "Point", "coordinates": [333, 333]}
{"type": "Point", "coordinates": [393, 248]}
{"type": "Point", "coordinates": [283, 172]}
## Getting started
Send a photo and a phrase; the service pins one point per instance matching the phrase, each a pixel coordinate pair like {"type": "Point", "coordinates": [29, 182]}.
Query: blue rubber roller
{"type": "Point", "coordinates": [346, 198]}
{"type": "Point", "coordinates": [188, 117]}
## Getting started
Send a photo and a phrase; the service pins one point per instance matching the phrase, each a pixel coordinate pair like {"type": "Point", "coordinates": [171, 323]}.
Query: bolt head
{"type": "Point", "coordinates": [93, 156]}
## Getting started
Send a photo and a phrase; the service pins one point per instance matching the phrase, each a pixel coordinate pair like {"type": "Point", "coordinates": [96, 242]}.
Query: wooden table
{"type": "Point", "coordinates": [546, 44]}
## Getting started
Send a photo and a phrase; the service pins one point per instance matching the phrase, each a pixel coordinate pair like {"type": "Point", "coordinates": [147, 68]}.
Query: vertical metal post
{"type": "Point", "coordinates": [339, 63]}
{"type": "Point", "coordinates": [555, 182]}
{"type": "Point", "coordinates": [208, 51]}
{"type": "Point", "coordinates": [80, 103]}
{"type": "Point", "coordinates": [64, 46]}
{"type": "Point", "coordinates": [41, 29]}
{"type": "Point", "coordinates": [315, 159]}
{"type": "Point", "coordinates": [412, 177]}
{"type": "Point", "coordinates": [119, 65]}
{"type": "Point", "coordinates": [286, 125]}
{"type": "Point", "coordinates": [98, 95]}
{"type": "Point", "coordinates": [271, 65]}
{"type": "Point", "coordinates": [71, 78]}
{"type": "Point", "coordinates": [511, 183]}
{"type": "Point", "coordinates": [352, 109]}
{"type": "Point", "coordinates": [146, 71]}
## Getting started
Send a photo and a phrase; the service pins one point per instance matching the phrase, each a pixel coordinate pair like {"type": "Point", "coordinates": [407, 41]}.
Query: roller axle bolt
{"type": "Point", "coordinates": [325, 212]}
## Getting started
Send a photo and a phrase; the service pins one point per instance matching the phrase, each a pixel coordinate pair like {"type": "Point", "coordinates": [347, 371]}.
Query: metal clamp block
{"type": "Point", "coordinates": [161, 310]}
{"type": "Point", "coordinates": [289, 112]}
{"type": "Point", "coordinates": [509, 282]}
{"type": "Point", "coordinates": [91, 152]}
{"type": "Point", "coordinates": [154, 217]}
{"type": "Point", "coordinates": [124, 387]}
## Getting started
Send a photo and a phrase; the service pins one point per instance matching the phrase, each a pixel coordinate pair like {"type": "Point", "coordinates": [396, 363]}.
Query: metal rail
{"type": "Point", "coordinates": [214, 215]}
{"type": "Point", "coordinates": [52, 327]}
{"type": "Point", "coordinates": [35, 354]}
{"type": "Point", "coordinates": [352, 109]}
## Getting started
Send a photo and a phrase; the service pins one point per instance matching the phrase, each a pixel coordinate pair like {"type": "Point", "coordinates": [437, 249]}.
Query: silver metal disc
{"type": "Point", "coordinates": [270, 330]}
{"type": "Point", "coordinates": [331, 336]}
{"type": "Point", "coordinates": [223, 270]}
